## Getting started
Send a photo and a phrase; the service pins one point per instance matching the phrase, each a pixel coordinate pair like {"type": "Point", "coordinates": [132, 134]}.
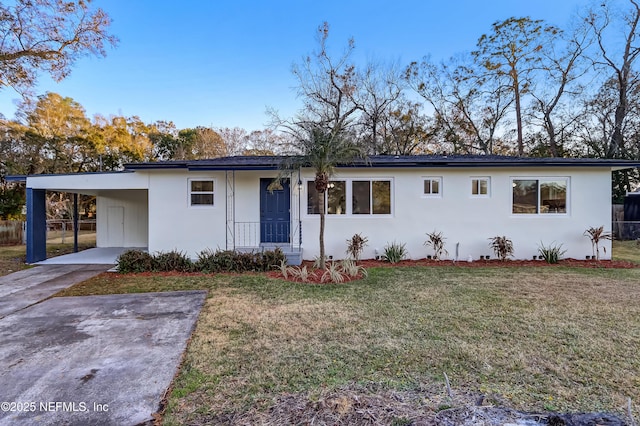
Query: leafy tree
{"type": "Point", "coordinates": [11, 200]}
{"type": "Point", "coordinates": [48, 35]}
{"type": "Point", "coordinates": [511, 52]}
{"type": "Point", "coordinates": [163, 137]}
{"type": "Point", "coordinates": [54, 138]}
{"type": "Point", "coordinates": [120, 140]}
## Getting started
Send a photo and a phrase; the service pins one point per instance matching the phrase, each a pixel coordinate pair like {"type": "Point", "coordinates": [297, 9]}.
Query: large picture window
{"type": "Point", "coordinates": [353, 197]}
{"type": "Point", "coordinates": [540, 196]}
{"type": "Point", "coordinates": [201, 192]}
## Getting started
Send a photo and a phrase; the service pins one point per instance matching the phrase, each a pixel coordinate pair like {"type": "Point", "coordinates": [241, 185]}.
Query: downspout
{"type": "Point", "coordinates": [75, 222]}
{"type": "Point", "coordinates": [299, 211]}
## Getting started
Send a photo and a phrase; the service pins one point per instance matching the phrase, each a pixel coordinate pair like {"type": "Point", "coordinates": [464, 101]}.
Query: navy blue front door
{"type": "Point", "coordinates": [275, 206]}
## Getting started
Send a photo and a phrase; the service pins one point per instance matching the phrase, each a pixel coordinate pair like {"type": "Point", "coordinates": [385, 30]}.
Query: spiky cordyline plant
{"type": "Point", "coordinates": [596, 235]}
{"type": "Point", "coordinates": [436, 241]}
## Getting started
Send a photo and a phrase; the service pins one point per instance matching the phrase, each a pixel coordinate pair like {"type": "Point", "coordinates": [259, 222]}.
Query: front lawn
{"type": "Point", "coordinates": [532, 338]}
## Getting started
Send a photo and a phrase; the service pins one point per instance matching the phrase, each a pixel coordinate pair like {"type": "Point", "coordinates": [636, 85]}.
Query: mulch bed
{"type": "Point", "coordinates": [315, 275]}
{"type": "Point", "coordinates": [509, 263]}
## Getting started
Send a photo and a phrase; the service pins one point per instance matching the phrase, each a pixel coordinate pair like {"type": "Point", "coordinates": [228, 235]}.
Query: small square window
{"type": "Point", "coordinates": [480, 187]}
{"type": "Point", "coordinates": [201, 193]}
{"type": "Point", "coordinates": [432, 187]}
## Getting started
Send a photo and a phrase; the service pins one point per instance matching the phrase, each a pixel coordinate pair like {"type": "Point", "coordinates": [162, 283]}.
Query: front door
{"type": "Point", "coordinates": [275, 211]}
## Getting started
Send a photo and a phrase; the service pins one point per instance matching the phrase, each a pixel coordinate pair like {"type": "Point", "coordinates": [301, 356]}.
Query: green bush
{"type": "Point", "coordinates": [232, 261]}
{"type": "Point", "coordinates": [271, 259]}
{"type": "Point", "coordinates": [172, 261]}
{"type": "Point", "coordinates": [552, 253]}
{"type": "Point", "coordinates": [208, 261]}
{"type": "Point", "coordinates": [395, 252]}
{"type": "Point", "coordinates": [133, 261]}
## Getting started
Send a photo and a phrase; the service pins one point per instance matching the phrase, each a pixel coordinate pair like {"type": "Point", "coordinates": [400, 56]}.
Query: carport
{"type": "Point", "coordinates": [122, 212]}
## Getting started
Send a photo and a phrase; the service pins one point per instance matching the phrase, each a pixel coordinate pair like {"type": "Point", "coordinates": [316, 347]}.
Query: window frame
{"type": "Point", "coordinates": [432, 179]}
{"type": "Point", "coordinates": [479, 179]}
{"type": "Point", "coordinates": [349, 198]}
{"type": "Point", "coordinates": [540, 181]}
{"type": "Point", "coordinates": [190, 192]}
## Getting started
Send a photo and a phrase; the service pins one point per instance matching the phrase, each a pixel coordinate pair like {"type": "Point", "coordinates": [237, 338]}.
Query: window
{"type": "Point", "coordinates": [371, 197]}
{"type": "Point", "coordinates": [201, 192]}
{"type": "Point", "coordinates": [540, 196]}
{"type": "Point", "coordinates": [353, 197]}
{"type": "Point", "coordinates": [336, 198]}
{"type": "Point", "coordinates": [432, 187]}
{"type": "Point", "coordinates": [480, 187]}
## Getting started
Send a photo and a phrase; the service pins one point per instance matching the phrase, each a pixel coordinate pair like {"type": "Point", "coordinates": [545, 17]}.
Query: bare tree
{"type": "Point", "coordinates": [327, 87]}
{"type": "Point", "coordinates": [624, 77]}
{"type": "Point", "coordinates": [561, 71]}
{"type": "Point", "coordinates": [380, 93]}
{"type": "Point", "coordinates": [469, 108]}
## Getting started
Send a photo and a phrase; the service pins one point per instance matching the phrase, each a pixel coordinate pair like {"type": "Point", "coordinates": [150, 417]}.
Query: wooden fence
{"type": "Point", "coordinates": [11, 232]}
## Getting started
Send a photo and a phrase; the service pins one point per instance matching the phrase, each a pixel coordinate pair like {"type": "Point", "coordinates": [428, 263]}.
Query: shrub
{"type": "Point", "coordinates": [502, 247]}
{"type": "Point", "coordinates": [355, 245]}
{"type": "Point", "coordinates": [301, 273]}
{"type": "Point", "coordinates": [172, 261]}
{"type": "Point", "coordinates": [232, 261]}
{"type": "Point", "coordinates": [271, 259]}
{"type": "Point", "coordinates": [333, 274]}
{"type": "Point", "coordinates": [132, 261]}
{"type": "Point", "coordinates": [394, 252]}
{"type": "Point", "coordinates": [552, 253]}
{"type": "Point", "coordinates": [436, 241]}
{"type": "Point", "coordinates": [351, 269]}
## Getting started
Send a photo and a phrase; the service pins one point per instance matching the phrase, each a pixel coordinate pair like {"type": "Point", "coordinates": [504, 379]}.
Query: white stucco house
{"type": "Point", "coordinates": [224, 203]}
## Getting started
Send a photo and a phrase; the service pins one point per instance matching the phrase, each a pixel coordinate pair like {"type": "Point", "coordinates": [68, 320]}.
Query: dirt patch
{"type": "Point", "coordinates": [372, 405]}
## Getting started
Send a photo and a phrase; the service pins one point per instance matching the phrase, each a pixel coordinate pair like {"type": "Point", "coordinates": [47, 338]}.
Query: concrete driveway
{"type": "Point", "coordinates": [99, 360]}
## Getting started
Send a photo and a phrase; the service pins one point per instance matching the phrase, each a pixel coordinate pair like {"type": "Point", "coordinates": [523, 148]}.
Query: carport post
{"type": "Point", "coordinates": [75, 223]}
{"type": "Point", "coordinates": [36, 225]}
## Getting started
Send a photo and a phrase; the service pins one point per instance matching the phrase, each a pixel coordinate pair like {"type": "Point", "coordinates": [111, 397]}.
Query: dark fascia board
{"type": "Point", "coordinates": [23, 178]}
{"type": "Point", "coordinates": [412, 161]}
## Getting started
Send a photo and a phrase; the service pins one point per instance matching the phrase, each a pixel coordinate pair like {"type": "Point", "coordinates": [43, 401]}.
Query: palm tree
{"type": "Point", "coordinates": [322, 150]}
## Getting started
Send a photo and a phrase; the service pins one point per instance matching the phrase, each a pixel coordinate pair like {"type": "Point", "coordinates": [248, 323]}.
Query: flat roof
{"type": "Point", "coordinates": [395, 161]}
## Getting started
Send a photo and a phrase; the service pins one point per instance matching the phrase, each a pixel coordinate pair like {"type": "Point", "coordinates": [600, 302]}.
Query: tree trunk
{"type": "Point", "coordinates": [322, 256]}
{"type": "Point", "coordinates": [551, 133]}
{"type": "Point", "coordinates": [516, 94]}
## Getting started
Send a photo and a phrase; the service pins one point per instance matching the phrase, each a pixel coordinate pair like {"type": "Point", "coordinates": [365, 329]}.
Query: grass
{"type": "Point", "coordinates": [557, 338]}
{"type": "Point", "coordinates": [12, 258]}
{"type": "Point", "coordinates": [626, 250]}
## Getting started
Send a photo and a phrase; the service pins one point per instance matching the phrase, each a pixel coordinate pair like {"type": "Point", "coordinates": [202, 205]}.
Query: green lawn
{"type": "Point", "coordinates": [533, 338]}
{"type": "Point", "coordinates": [553, 338]}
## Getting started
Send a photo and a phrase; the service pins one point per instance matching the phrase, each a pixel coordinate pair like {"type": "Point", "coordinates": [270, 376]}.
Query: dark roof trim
{"type": "Point", "coordinates": [408, 161]}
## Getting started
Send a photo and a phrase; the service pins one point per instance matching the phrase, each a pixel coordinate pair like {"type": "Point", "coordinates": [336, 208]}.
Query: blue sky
{"type": "Point", "coordinates": [222, 63]}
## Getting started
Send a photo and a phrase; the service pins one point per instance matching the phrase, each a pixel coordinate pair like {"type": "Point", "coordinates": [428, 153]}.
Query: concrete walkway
{"type": "Point", "coordinates": [94, 256]}
{"type": "Point", "coordinates": [25, 288]}
{"type": "Point", "coordinates": [99, 360]}
{"type": "Point", "coordinates": [93, 360]}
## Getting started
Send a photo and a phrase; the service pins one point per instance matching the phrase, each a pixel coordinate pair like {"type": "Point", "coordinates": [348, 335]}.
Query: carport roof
{"type": "Point", "coordinates": [397, 161]}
